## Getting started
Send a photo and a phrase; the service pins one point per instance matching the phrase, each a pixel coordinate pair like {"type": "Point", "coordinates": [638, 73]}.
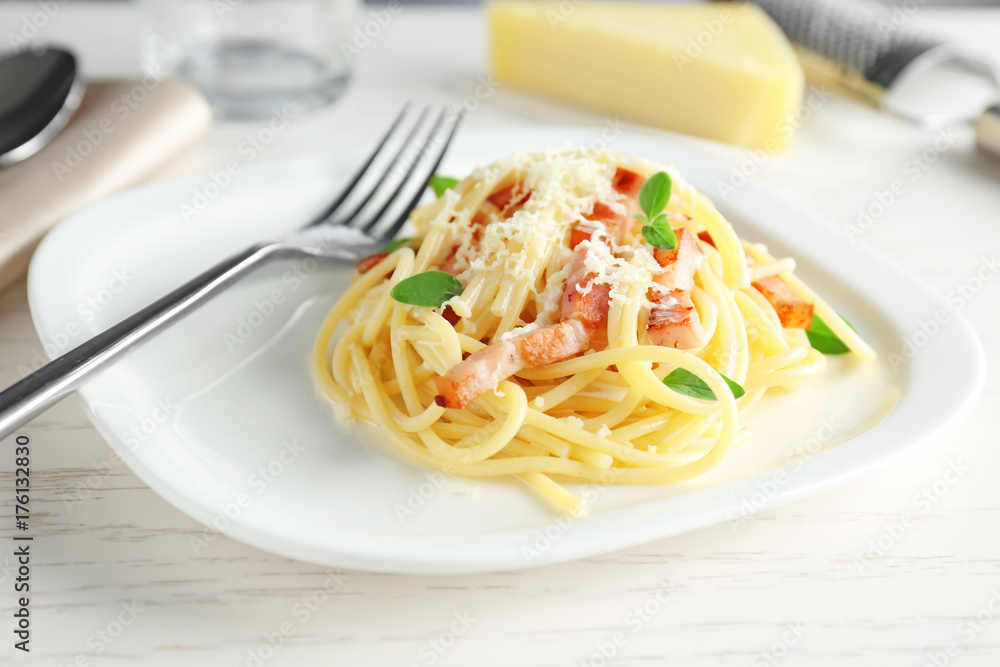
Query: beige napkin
{"type": "Point", "coordinates": [122, 132]}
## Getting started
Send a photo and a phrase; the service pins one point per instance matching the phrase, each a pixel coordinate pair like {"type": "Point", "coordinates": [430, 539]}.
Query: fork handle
{"type": "Point", "coordinates": [53, 381]}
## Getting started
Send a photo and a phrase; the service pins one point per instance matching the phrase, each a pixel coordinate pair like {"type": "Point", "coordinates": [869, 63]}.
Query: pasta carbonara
{"type": "Point", "coordinates": [570, 316]}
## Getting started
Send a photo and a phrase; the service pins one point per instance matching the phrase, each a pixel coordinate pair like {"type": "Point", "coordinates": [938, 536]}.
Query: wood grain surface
{"type": "Point", "coordinates": [837, 579]}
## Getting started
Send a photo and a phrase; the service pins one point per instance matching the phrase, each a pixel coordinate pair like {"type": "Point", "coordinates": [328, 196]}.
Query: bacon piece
{"type": "Point", "coordinates": [481, 217]}
{"type": "Point", "coordinates": [366, 264]}
{"type": "Point", "coordinates": [504, 199]}
{"type": "Point", "coordinates": [582, 315]}
{"type": "Point", "coordinates": [450, 263]}
{"type": "Point", "coordinates": [581, 233]}
{"type": "Point", "coordinates": [679, 265]}
{"type": "Point", "coordinates": [793, 311]}
{"type": "Point", "coordinates": [614, 222]}
{"type": "Point", "coordinates": [487, 367]}
{"type": "Point", "coordinates": [502, 203]}
{"type": "Point", "coordinates": [627, 184]}
{"type": "Point", "coordinates": [673, 320]}
{"type": "Point", "coordinates": [590, 304]}
{"type": "Point", "coordinates": [602, 224]}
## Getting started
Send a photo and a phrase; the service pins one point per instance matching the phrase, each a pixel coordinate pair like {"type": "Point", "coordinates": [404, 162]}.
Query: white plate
{"type": "Point", "coordinates": [201, 423]}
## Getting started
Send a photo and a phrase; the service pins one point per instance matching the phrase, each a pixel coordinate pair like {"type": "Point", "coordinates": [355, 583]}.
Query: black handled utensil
{"type": "Point", "coordinates": [40, 90]}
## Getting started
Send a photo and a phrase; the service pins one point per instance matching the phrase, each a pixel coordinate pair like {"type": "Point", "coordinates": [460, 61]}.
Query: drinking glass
{"type": "Point", "coordinates": [250, 57]}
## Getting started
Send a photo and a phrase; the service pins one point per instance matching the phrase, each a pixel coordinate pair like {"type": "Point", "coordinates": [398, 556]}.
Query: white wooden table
{"type": "Point", "coordinates": [825, 581]}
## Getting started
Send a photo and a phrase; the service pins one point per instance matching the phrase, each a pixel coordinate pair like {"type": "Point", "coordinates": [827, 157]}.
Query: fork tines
{"type": "Point", "coordinates": [379, 197]}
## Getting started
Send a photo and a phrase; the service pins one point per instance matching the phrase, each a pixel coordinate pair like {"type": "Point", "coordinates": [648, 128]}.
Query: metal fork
{"type": "Point", "coordinates": [355, 224]}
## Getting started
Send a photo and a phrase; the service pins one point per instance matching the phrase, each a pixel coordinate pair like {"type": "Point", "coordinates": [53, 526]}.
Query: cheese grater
{"type": "Point", "coordinates": [867, 50]}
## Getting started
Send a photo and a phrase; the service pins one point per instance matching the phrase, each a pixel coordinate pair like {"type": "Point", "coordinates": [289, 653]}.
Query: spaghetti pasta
{"type": "Point", "coordinates": [555, 356]}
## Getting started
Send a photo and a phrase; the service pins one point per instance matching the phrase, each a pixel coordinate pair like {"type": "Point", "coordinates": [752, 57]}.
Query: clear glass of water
{"type": "Point", "coordinates": [250, 57]}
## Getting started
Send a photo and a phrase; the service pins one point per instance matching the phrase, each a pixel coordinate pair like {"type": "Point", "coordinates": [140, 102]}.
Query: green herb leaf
{"type": "Point", "coordinates": [659, 235]}
{"type": "Point", "coordinates": [654, 194]}
{"type": "Point", "coordinates": [441, 183]}
{"type": "Point", "coordinates": [734, 387]}
{"type": "Point", "coordinates": [823, 339]}
{"type": "Point", "coordinates": [431, 288]}
{"type": "Point", "coordinates": [395, 244]}
{"type": "Point", "coordinates": [685, 382]}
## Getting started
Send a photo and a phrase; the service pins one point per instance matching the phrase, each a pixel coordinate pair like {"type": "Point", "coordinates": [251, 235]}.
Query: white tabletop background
{"type": "Point", "coordinates": [785, 588]}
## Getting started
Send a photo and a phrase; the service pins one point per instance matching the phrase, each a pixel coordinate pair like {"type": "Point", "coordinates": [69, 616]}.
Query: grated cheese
{"type": "Point", "coordinates": [461, 308]}
{"type": "Point", "coordinates": [533, 240]}
{"type": "Point", "coordinates": [637, 265]}
{"type": "Point", "coordinates": [343, 414]}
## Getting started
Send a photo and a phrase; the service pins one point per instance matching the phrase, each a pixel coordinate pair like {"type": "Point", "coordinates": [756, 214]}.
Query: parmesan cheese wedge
{"type": "Point", "coordinates": [719, 70]}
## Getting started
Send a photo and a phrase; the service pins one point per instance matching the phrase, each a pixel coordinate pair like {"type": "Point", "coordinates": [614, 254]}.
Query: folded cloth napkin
{"type": "Point", "coordinates": [122, 132]}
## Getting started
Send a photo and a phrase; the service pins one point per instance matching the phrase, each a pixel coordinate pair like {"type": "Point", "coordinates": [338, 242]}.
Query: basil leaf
{"type": "Point", "coordinates": [734, 387]}
{"type": "Point", "coordinates": [659, 235]}
{"type": "Point", "coordinates": [655, 193]}
{"type": "Point", "coordinates": [441, 183]}
{"type": "Point", "coordinates": [687, 383]}
{"type": "Point", "coordinates": [395, 244]}
{"type": "Point", "coordinates": [823, 339]}
{"type": "Point", "coordinates": [431, 288]}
